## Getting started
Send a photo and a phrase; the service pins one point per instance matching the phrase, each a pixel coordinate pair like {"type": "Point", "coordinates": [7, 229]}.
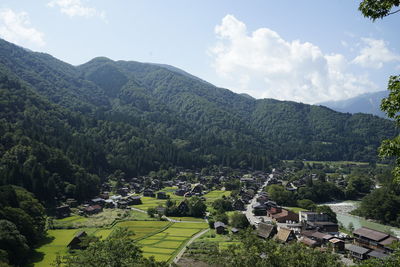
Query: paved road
{"type": "Point", "coordinates": [249, 209]}
{"type": "Point", "coordinates": [179, 255]}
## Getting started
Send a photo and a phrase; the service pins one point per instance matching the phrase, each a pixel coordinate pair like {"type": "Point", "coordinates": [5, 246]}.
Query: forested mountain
{"type": "Point", "coordinates": [64, 128]}
{"type": "Point", "coordinates": [365, 103]}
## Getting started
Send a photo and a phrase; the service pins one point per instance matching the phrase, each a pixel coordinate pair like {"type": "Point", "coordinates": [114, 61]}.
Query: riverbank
{"type": "Point", "coordinates": [343, 209]}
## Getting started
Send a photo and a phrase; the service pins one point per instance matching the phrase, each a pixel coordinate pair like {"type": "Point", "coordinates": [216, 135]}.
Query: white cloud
{"type": "Point", "coordinates": [75, 8]}
{"type": "Point", "coordinates": [375, 54]}
{"type": "Point", "coordinates": [265, 65]}
{"type": "Point", "coordinates": [16, 27]}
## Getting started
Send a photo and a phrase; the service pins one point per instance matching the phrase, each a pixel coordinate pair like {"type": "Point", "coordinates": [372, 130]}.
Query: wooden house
{"type": "Point", "coordinates": [373, 239]}
{"type": "Point", "coordinates": [266, 230]}
{"type": "Point", "coordinates": [219, 227]}
{"type": "Point", "coordinates": [357, 252]}
{"type": "Point", "coordinates": [63, 211]}
{"type": "Point", "coordinates": [75, 242]}
{"type": "Point", "coordinates": [285, 235]}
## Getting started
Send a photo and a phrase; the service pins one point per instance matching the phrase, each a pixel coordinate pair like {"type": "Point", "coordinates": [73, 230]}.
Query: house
{"type": "Point", "coordinates": [373, 239]}
{"type": "Point", "coordinates": [97, 201]}
{"type": "Point", "coordinates": [148, 193]}
{"type": "Point", "coordinates": [72, 202]}
{"type": "Point", "coordinates": [310, 216]}
{"type": "Point", "coordinates": [123, 191]}
{"type": "Point", "coordinates": [122, 204]}
{"type": "Point", "coordinates": [135, 200]}
{"type": "Point", "coordinates": [281, 215]}
{"type": "Point", "coordinates": [238, 204]}
{"type": "Point", "coordinates": [357, 252]}
{"type": "Point", "coordinates": [63, 211]}
{"type": "Point", "coordinates": [337, 244]}
{"type": "Point", "coordinates": [266, 230]}
{"type": "Point", "coordinates": [180, 192]}
{"type": "Point", "coordinates": [75, 242]}
{"type": "Point", "coordinates": [90, 210]}
{"type": "Point", "coordinates": [219, 227]}
{"type": "Point", "coordinates": [109, 204]}
{"type": "Point", "coordinates": [377, 255]}
{"type": "Point", "coordinates": [104, 195]}
{"type": "Point", "coordinates": [234, 230]}
{"type": "Point", "coordinates": [198, 188]}
{"type": "Point", "coordinates": [309, 242]}
{"type": "Point", "coordinates": [259, 209]}
{"type": "Point", "coordinates": [328, 227]}
{"type": "Point", "coordinates": [320, 238]}
{"type": "Point", "coordinates": [162, 195]}
{"type": "Point", "coordinates": [285, 235]}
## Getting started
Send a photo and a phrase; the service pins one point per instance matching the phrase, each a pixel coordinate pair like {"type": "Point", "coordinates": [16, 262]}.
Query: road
{"type": "Point", "coordinates": [179, 255]}
{"type": "Point", "coordinates": [253, 220]}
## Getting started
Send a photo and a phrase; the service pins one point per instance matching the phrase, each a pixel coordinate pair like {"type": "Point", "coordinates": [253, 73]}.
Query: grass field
{"type": "Point", "coordinates": [103, 219]}
{"type": "Point", "coordinates": [215, 194]}
{"type": "Point", "coordinates": [295, 209]}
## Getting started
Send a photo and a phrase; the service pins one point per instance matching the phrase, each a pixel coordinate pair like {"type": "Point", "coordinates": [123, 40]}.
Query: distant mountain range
{"type": "Point", "coordinates": [66, 128]}
{"type": "Point", "coordinates": [366, 103]}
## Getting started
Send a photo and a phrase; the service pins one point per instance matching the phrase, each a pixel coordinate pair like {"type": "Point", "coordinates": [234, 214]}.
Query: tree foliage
{"type": "Point", "coordinates": [118, 250]}
{"type": "Point", "coordinates": [257, 252]}
{"type": "Point", "coordinates": [378, 9]}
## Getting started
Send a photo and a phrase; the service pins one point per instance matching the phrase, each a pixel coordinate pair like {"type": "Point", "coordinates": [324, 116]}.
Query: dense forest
{"type": "Point", "coordinates": [65, 129]}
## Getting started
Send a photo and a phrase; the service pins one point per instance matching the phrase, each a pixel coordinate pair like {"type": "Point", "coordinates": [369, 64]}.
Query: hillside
{"type": "Point", "coordinates": [74, 126]}
{"type": "Point", "coordinates": [366, 103]}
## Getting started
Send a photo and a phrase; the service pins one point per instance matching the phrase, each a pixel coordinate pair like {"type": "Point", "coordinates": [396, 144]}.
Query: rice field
{"type": "Point", "coordinates": [215, 194]}
{"type": "Point", "coordinates": [159, 239]}
{"type": "Point", "coordinates": [166, 244]}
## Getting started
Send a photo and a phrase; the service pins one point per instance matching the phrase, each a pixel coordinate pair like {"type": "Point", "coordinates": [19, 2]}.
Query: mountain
{"type": "Point", "coordinates": [65, 129]}
{"type": "Point", "coordinates": [366, 103]}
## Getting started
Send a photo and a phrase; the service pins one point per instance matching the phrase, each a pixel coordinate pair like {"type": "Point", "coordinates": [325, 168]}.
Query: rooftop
{"type": "Point", "coordinates": [371, 234]}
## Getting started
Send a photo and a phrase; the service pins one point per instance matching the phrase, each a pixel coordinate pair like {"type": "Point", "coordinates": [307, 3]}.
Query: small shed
{"type": "Point", "coordinates": [219, 227]}
{"type": "Point", "coordinates": [337, 244]}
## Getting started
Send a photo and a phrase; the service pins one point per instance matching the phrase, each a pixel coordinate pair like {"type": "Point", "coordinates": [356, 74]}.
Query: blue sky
{"type": "Point", "coordinates": [306, 51]}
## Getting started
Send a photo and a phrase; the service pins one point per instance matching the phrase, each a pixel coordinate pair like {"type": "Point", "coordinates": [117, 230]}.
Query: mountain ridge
{"type": "Point", "coordinates": [106, 116]}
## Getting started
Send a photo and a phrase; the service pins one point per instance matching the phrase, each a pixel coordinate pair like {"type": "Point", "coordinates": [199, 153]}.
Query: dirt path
{"type": "Point", "coordinates": [179, 255]}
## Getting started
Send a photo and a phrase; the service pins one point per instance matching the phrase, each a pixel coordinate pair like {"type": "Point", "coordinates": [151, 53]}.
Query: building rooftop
{"type": "Point", "coordinates": [356, 249]}
{"type": "Point", "coordinates": [371, 234]}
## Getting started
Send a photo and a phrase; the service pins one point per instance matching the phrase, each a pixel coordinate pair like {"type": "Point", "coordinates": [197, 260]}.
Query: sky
{"type": "Point", "coordinates": [306, 51]}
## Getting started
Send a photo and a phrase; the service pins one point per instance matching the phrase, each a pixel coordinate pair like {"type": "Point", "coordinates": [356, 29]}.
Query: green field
{"type": "Point", "coordinates": [151, 202]}
{"type": "Point", "coordinates": [166, 244]}
{"type": "Point", "coordinates": [160, 239]}
{"type": "Point", "coordinates": [188, 219]}
{"type": "Point", "coordinates": [295, 209]}
{"type": "Point", "coordinates": [215, 194]}
{"type": "Point", "coordinates": [58, 244]}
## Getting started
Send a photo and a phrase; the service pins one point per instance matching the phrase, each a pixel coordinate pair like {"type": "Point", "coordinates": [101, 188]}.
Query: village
{"type": "Point", "coordinates": [245, 194]}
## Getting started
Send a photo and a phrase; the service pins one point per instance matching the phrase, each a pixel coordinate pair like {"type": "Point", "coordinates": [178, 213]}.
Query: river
{"type": "Point", "coordinates": [342, 210]}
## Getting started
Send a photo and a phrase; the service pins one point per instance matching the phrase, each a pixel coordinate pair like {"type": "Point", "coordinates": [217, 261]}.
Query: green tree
{"type": "Point", "coordinates": [375, 9]}
{"type": "Point", "coordinates": [13, 243]}
{"type": "Point", "coordinates": [151, 212]}
{"type": "Point", "coordinates": [378, 9]}
{"type": "Point", "coordinates": [329, 211]}
{"type": "Point", "coordinates": [239, 220]}
{"type": "Point", "coordinates": [197, 207]}
{"type": "Point", "coordinates": [119, 250]}
{"type": "Point", "coordinates": [306, 204]}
